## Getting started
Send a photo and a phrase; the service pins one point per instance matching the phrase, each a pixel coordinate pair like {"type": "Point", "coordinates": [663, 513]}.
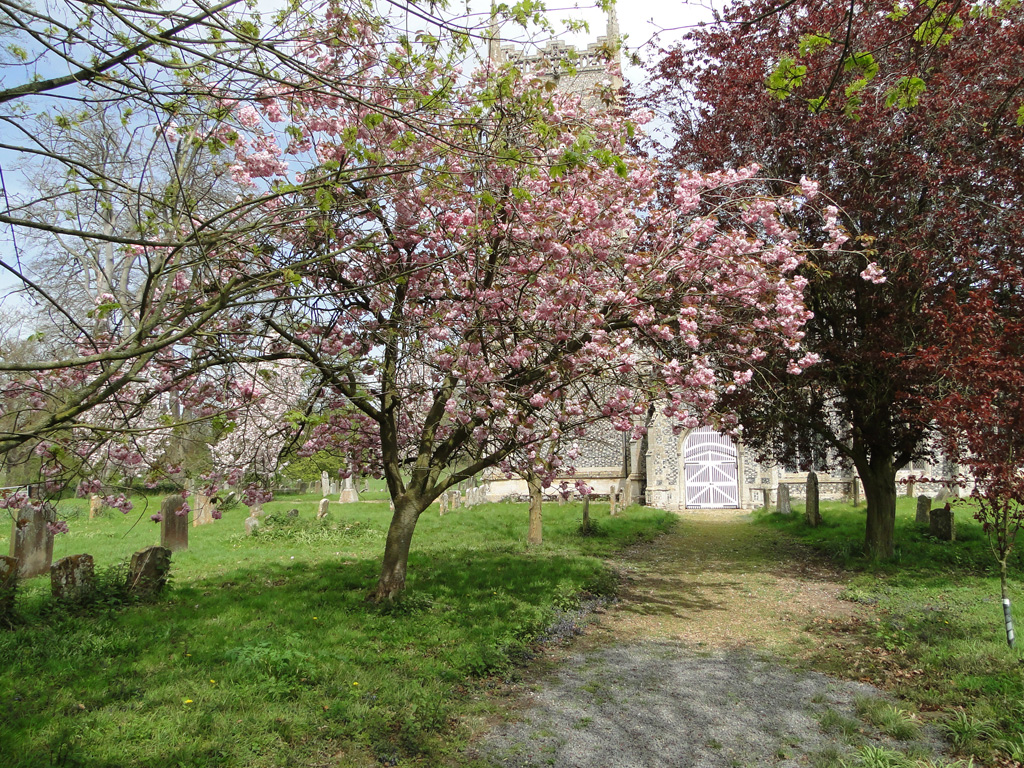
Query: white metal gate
{"type": "Point", "coordinates": [710, 463]}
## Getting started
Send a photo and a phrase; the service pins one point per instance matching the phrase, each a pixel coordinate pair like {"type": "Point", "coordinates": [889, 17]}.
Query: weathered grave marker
{"type": "Point", "coordinates": [203, 510]}
{"type": "Point", "coordinates": [941, 524]}
{"type": "Point", "coordinates": [174, 523]}
{"type": "Point", "coordinates": [812, 512]}
{"type": "Point", "coordinates": [95, 506]}
{"type": "Point", "coordinates": [252, 522]}
{"type": "Point", "coordinates": [611, 500]}
{"type": "Point", "coordinates": [349, 494]}
{"type": "Point", "coordinates": [325, 484]}
{"type": "Point", "coordinates": [924, 505]}
{"type": "Point", "coordinates": [32, 539]}
{"type": "Point", "coordinates": [293, 513]}
{"type": "Point", "coordinates": [147, 572]}
{"type": "Point", "coordinates": [785, 508]}
{"type": "Point", "coordinates": [324, 510]}
{"type": "Point", "coordinates": [73, 578]}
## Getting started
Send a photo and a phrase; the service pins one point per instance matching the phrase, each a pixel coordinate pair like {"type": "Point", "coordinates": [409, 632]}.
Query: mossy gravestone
{"type": "Point", "coordinates": [73, 578]}
{"type": "Point", "coordinates": [32, 539]}
{"type": "Point", "coordinates": [940, 524]}
{"type": "Point", "coordinates": [812, 512]}
{"type": "Point", "coordinates": [924, 505]}
{"type": "Point", "coordinates": [147, 572]}
{"type": "Point", "coordinates": [174, 524]}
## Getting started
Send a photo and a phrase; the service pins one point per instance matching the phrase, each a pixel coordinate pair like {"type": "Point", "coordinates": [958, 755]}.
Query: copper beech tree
{"type": "Point", "coordinates": [980, 356]}
{"type": "Point", "coordinates": [909, 117]}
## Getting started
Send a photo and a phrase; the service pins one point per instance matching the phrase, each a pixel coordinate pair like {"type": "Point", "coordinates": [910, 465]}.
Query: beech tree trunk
{"type": "Point", "coordinates": [396, 550]}
{"type": "Point", "coordinates": [879, 479]}
{"type": "Point", "coordinates": [535, 532]}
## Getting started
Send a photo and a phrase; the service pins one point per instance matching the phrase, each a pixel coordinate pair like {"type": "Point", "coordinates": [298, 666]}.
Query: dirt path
{"type": "Point", "coordinates": [717, 581]}
{"type": "Point", "coordinates": [694, 667]}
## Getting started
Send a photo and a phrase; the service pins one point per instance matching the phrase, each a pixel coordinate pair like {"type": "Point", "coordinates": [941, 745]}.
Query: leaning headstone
{"type": "Point", "coordinates": [785, 508]}
{"type": "Point", "coordinates": [95, 506]}
{"type": "Point", "coordinates": [943, 494]}
{"type": "Point", "coordinates": [292, 513]}
{"type": "Point", "coordinates": [941, 525]}
{"type": "Point", "coordinates": [812, 512]}
{"type": "Point", "coordinates": [252, 522]}
{"type": "Point", "coordinates": [73, 578]}
{"type": "Point", "coordinates": [349, 494]}
{"type": "Point", "coordinates": [204, 509]}
{"type": "Point", "coordinates": [174, 524]}
{"type": "Point", "coordinates": [924, 504]}
{"type": "Point", "coordinates": [8, 585]}
{"type": "Point", "coordinates": [147, 572]}
{"type": "Point", "coordinates": [324, 510]}
{"type": "Point", "coordinates": [32, 540]}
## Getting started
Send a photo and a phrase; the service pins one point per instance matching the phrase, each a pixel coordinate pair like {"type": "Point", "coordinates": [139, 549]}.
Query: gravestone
{"type": "Point", "coordinates": [785, 508]}
{"type": "Point", "coordinates": [8, 585]}
{"type": "Point", "coordinates": [587, 525]}
{"type": "Point", "coordinates": [442, 503]}
{"type": "Point", "coordinates": [32, 540]}
{"type": "Point", "coordinates": [256, 510]}
{"type": "Point", "coordinates": [349, 494]}
{"type": "Point", "coordinates": [73, 578]}
{"type": "Point", "coordinates": [943, 494]}
{"type": "Point", "coordinates": [856, 491]}
{"type": "Point", "coordinates": [95, 506]}
{"type": "Point", "coordinates": [174, 525]}
{"type": "Point", "coordinates": [252, 522]}
{"type": "Point", "coordinates": [293, 513]}
{"type": "Point", "coordinates": [324, 510]}
{"type": "Point", "coordinates": [924, 504]}
{"type": "Point", "coordinates": [812, 512]}
{"type": "Point", "coordinates": [941, 525]}
{"type": "Point", "coordinates": [147, 572]}
{"type": "Point", "coordinates": [204, 510]}
{"type": "Point", "coordinates": [611, 500]}
{"type": "Point", "coordinates": [325, 484]}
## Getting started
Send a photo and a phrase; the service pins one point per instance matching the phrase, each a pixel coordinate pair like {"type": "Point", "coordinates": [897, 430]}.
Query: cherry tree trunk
{"type": "Point", "coordinates": [880, 493]}
{"type": "Point", "coordinates": [535, 532]}
{"type": "Point", "coordinates": [396, 550]}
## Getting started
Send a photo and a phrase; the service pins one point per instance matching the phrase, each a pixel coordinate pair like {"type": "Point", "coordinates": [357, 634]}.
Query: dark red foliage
{"type": "Point", "coordinates": [932, 191]}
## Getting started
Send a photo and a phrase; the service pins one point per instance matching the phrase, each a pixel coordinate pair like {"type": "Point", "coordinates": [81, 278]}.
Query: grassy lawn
{"type": "Point", "coordinates": [932, 629]}
{"type": "Point", "coordinates": [264, 651]}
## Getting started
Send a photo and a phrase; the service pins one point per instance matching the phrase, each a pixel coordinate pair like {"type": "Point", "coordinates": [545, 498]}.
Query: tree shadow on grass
{"type": "Point", "coordinates": [276, 662]}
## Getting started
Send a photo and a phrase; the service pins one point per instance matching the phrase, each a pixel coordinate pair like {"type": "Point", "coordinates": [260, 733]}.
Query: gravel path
{"type": "Point", "coordinates": [685, 671]}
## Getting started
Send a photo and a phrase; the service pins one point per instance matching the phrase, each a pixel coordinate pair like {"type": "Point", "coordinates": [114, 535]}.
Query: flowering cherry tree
{"type": "Point", "coordinates": [461, 307]}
